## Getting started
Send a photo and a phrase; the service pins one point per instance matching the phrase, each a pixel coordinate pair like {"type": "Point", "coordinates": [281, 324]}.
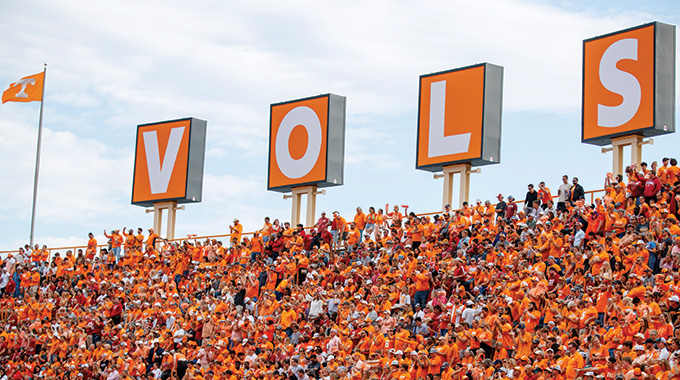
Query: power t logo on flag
{"type": "Point", "coordinates": [27, 89]}
{"type": "Point", "coordinates": [169, 162]}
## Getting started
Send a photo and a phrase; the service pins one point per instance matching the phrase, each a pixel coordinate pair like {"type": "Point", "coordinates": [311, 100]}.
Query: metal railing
{"type": "Point", "coordinates": [74, 249]}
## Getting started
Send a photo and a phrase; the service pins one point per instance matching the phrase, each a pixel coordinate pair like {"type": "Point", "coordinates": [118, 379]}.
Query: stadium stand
{"type": "Point", "coordinates": [563, 290]}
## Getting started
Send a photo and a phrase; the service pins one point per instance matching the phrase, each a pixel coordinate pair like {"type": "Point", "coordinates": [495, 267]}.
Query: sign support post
{"type": "Point", "coordinates": [464, 170]}
{"type": "Point", "coordinates": [618, 143]}
{"type": "Point", "coordinates": [171, 208]}
{"type": "Point", "coordinates": [297, 192]}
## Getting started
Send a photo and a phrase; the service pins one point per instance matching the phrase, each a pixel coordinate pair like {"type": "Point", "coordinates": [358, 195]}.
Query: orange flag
{"type": "Point", "coordinates": [27, 89]}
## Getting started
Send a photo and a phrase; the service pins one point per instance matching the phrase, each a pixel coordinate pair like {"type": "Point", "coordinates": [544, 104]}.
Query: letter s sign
{"type": "Point", "coordinates": [621, 86]}
{"type": "Point", "coordinates": [619, 82]}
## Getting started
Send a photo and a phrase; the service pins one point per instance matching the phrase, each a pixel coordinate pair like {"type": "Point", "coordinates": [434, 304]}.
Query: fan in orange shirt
{"type": "Point", "coordinates": [478, 211]}
{"type": "Point", "coordinates": [91, 250]}
{"type": "Point", "coordinates": [673, 172]}
{"type": "Point", "coordinates": [353, 237]}
{"type": "Point", "coordinates": [139, 239]}
{"type": "Point", "coordinates": [236, 231]}
{"type": "Point", "coordinates": [116, 243]}
{"type": "Point", "coordinates": [152, 239]}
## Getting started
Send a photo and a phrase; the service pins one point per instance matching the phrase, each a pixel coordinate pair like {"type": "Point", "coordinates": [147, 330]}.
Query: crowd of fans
{"type": "Point", "coordinates": [546, 290]}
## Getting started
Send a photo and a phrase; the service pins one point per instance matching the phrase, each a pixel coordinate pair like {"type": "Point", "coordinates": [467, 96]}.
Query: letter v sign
{"type": "Point", "coordinates": [159, 176]}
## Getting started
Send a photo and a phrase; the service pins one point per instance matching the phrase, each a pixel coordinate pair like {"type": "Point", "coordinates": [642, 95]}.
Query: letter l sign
{"type": "Point", "coordinates": [439, 144]}
{"type": "Point", "coordinates": [159, 176]}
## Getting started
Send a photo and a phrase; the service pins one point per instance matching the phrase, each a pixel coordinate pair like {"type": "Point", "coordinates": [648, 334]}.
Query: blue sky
{"type": "Point", "coordinates": [112, 66]}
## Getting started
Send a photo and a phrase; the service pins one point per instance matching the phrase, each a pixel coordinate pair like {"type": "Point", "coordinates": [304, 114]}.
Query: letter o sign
{"type": "Point", "coordinates": [298, 142]}
{"type": "Point", "coordinates": [308, 119]}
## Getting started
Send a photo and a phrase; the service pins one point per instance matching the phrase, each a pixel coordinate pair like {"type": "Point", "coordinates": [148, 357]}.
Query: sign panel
{"type": "Point", "coordinates": [169, 159]}
{"type": "Point", "coordinates": [629, 83]}
{"type": "Point", "coordinates": [307, 142]}
{"type": "Point", "coordinates": [459, 117]}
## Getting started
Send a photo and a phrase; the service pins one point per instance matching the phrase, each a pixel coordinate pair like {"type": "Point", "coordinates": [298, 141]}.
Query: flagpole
{"type": "Point", "coordinates": [37, 156]}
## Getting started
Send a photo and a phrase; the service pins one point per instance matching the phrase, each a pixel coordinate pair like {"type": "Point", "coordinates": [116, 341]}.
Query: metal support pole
{"type": "Point", "coordinates": [447, 197]}
{"type": "Point", "coordinates": [636, 152]}
{"type": "Point", "coordinates": [617, 160]}
{"type": "Point", "coordinates": [464, 192]}
{"type": "Point", "coordinates": [311, 206]}
{"type": "Point", "coordinates": [158, 218]}
{"type": "Point", "coordinates": [618, 143]}
{"type": "Point", "coordinates": [297, 193]}
{"type": "Point", "coordinates": [158, 209]}
{"type": "Point", "coordinates": [295, 210]}
{"type": "Point", "coordinates": [172, 213]}
{"type": "Point", "coordinates": [464, 189]}
{"type": "Point", "coordinates": [37, 158]}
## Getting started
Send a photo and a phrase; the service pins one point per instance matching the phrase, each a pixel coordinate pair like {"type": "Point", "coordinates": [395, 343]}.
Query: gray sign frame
{"type": "Point", "coordinates": [195, 163]}
{"type": "Point", "coordinates": [664, 85]}
{"type": "Point", "coordinates": [492, 114]}
{"type": "Point", "coordinates": [335, 144]}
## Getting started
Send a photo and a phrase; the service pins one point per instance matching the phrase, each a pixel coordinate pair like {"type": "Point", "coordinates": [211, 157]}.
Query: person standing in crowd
{"type": "Point", "coordinates": [338, 229]}
{"type": "Point", "coordinates": [371, 222]}
{"type": "Point", "coordinates": [544, 195]}
{"type": "Point", "coordinates": [652, 187]}
{"type": "Point", "coordinates": [511, 208]}
{"type": "Point", "coordinates": [360, 222]}
{"type": "Point", "coordinates": [116, 243]}
{"type": "Point", "coordinates": [563, 193]}
{"type": "Point", "coordinates": [91, 250]}
{"type": "Point", "coordinates": [500, 208]}
{"type": "Point", "coordinates": [266, 229]}
{"type": "Point", "coordinates": [323, 222]}
{"type": "Point", "coordinates": [532, 195]}
{"type": "Point", "coordinates": [152, 239]}
{"type": "Point", "coordinates": [577, 192]}
{"type": "Point", "coordinates": [236, 231]}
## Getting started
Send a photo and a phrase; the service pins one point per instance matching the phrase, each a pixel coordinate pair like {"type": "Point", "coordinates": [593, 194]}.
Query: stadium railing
{"type": "Point", "coordinates": [74, 249]}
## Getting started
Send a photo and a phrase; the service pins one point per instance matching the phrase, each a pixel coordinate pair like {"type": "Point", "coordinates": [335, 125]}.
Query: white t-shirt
{"type": "Point", "coordinates": [563, 191]}
{"type": "Point", "coordinates": [316, 308]}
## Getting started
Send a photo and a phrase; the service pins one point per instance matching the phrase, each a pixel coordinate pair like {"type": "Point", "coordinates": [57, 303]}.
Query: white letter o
{"type": "Point", "coordinates": [289, 166]}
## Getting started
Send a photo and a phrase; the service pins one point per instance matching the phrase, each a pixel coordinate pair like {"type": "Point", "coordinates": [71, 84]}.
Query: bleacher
{"type": "Point", "coordinates": [582, 287]}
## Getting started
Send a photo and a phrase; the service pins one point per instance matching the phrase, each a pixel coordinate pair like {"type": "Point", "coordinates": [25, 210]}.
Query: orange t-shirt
{"type": "Point", "coordinates": [287, 318]}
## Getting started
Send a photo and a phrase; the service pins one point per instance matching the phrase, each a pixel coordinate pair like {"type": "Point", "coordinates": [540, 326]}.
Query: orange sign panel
{"type": "Point", "coordinates": [300, 132]}
{"type": "Point", "coordinates": [621, 88]}
{"type": "Point", "coordinates": [459, 117]}
{"type": "Point", "coordinates": [165, 153]}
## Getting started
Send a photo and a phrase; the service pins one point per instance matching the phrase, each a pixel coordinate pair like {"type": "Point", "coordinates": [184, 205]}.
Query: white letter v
{"type": "Point", "coordinates": [159, 176]}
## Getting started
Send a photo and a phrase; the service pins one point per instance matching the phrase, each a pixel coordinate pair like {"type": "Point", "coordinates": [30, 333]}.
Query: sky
{"type": "Point", "coordinates": [115, 65]}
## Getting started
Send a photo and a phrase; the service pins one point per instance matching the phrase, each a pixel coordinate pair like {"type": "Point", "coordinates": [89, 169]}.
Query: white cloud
{"type": "Point", "coordinates": [80, 178]}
